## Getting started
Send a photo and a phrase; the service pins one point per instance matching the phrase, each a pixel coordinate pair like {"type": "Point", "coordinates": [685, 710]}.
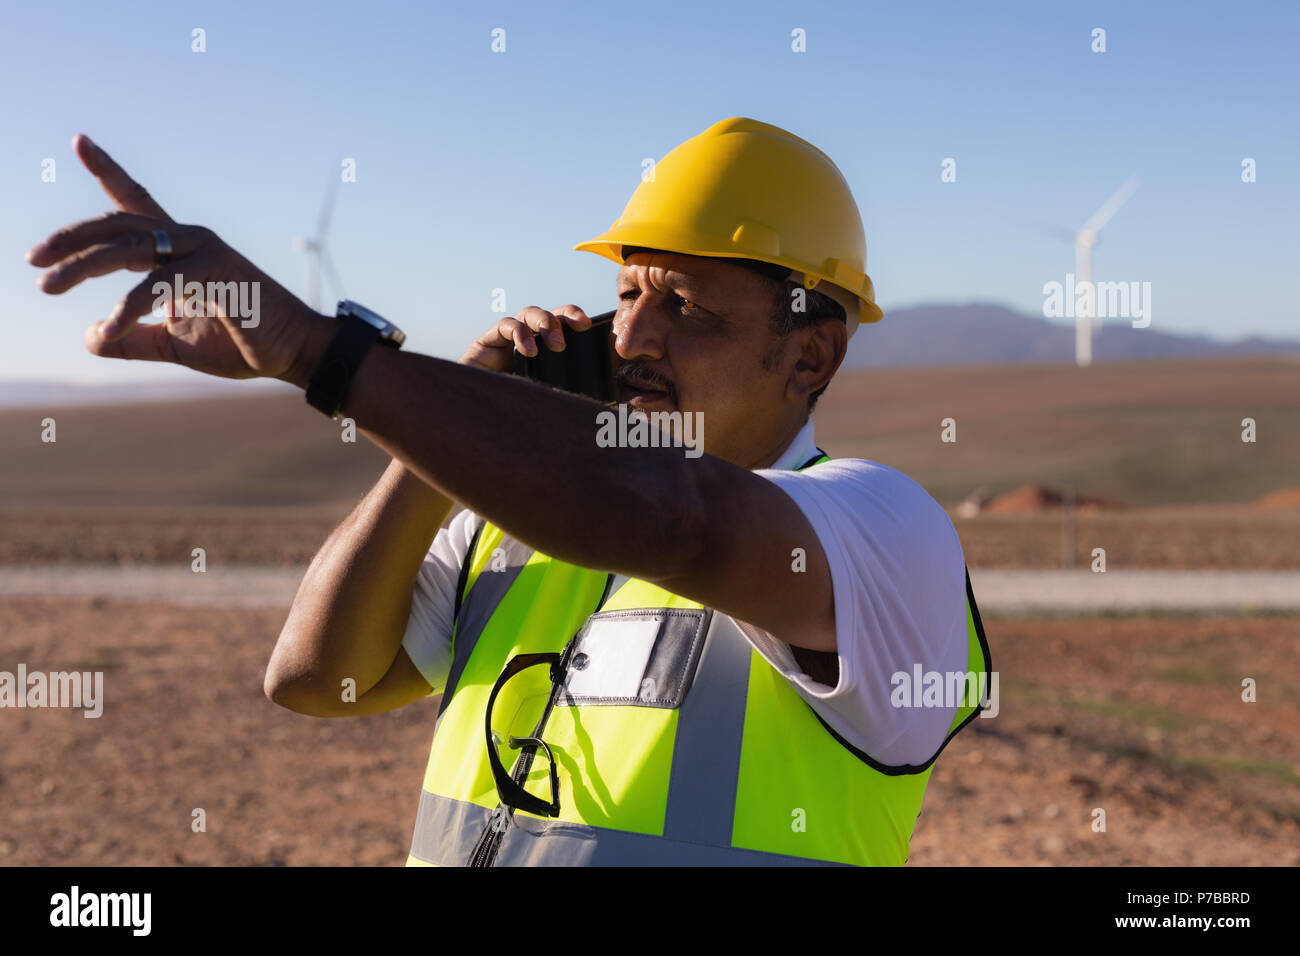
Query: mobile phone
{"type": "Point", "coordinates": [584, 366]}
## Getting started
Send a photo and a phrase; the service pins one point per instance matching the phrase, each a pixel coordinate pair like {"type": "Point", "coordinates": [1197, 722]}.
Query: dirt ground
{"type": "Point", "coordinates": [1184, 536]}
{"type": "Point", "coordinates": [1139, 433]}
{"type": "Point", "coordinates": [1141, 717]}
{"type": "Point", "coordinates": [1178, 536]}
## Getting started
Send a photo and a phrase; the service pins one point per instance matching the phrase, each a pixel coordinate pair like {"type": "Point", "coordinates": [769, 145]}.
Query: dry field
{"type": "Point", "coordinates": [264, 479]}
{"type": "Point", "coordinates": [1187, 536]}
{"type": "Point", "coordinates": [1139, 433]}
{"type": "Point", "coordinates": [1139, 716]}
{"type": "Point", "coordinates": [1176, 536]}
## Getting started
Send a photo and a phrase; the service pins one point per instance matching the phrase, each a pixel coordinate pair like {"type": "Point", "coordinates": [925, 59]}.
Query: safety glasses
{"type": "Point", "coordinates": [510, 786]}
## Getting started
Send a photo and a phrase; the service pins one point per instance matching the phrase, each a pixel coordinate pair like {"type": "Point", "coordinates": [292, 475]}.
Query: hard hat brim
{"type": "Point", "coordinates": [690, 242]}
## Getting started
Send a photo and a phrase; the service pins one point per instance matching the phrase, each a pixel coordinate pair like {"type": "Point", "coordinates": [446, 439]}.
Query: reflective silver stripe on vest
{"type": "Point", "coordinates": [446, 829]}
{"type": "Point", "coordinates": [706, 752]}
{"type": "Point", "coordinates": [529, 841]}
{"type": "Point", "coordinates": [480, 604]}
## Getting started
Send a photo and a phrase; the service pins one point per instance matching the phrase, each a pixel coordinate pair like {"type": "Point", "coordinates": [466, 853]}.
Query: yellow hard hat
{"type": "Point", "coordinates": [748, 190]}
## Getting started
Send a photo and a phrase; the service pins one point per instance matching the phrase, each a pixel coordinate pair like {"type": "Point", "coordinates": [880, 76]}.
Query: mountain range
{"type": "Point", "coordinates": [923, 335]}
{"type": "Point", "coordinates": [988, 334]}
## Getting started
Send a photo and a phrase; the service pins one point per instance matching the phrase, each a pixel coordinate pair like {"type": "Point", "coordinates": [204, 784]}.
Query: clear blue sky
{"type": "Point", "coordinates": [479, 170]}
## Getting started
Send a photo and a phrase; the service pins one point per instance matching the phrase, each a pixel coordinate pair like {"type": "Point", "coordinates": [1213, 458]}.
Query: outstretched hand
{"type": "Point", "coordinates": [222, 315]}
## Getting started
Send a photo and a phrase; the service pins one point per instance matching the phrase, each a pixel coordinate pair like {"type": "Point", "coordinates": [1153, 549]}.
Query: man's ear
{"type": "Point", "coordinates": [823, 347]}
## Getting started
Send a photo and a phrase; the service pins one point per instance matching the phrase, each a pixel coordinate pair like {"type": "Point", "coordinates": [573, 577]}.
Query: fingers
{"type": "Point", "coordinates": [132, 251]}
{"type": "Point", "coordinates": [104, 228]}
{"type": "Point", "coordinates": [574, 317]}
{"type": "Point", "coordinates": [550, 326]}
{"type": "Point", "coordinates": [491, 349]}
{"type": "Point", "coordinates": [511, 331]}
{"type": "Point", "coordinates": [126, 193]}
{"type": "Point", "coordinates": [155, 290]}
{"type": "Point", "coordinates": [148, 343]}
{"type": "Point", "coordinates": [547, 325]}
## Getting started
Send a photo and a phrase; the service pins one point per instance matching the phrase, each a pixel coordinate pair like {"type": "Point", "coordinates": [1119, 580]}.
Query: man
{"type": "Point", "coordinates": [644, 655]}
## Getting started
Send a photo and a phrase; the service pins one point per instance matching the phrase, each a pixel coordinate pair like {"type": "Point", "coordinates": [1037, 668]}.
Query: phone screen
{"type": "Point", "coordinates": [582, 368]}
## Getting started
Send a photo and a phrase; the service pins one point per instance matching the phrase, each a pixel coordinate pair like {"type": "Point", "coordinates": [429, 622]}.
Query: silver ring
{"type": "Point", "coordinates": [162, 248]}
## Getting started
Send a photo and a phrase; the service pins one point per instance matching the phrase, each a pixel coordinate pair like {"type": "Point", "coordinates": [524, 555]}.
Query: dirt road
{"type": "Point", "coordinates": [1002, 591]}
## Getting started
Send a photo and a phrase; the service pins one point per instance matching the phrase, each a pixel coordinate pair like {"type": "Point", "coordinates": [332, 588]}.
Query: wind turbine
{"type": "Point", "coordinates": [1084, 240]}
{"type": "Point", "coordinates": [317, 255]}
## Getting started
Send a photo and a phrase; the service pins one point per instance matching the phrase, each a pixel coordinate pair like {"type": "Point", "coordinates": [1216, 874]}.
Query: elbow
{"type": "Point", "coordinates": [291, 686]}
{"type": "Point", "coordinates": [276, 688]}
{"type": "Point", "coordinates": [299, 697]}
{"type": "Point", "coordinates": [283, 692]}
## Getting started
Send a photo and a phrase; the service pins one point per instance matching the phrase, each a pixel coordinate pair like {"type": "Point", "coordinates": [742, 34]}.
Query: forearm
{"type": "Point", "coordinates": [526, 458]}
{"type": "Point", "coordinates": [351, 609]}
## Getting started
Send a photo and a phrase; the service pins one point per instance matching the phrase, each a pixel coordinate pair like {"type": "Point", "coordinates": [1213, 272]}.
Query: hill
{"type": "Point", "coordinates": [1133, 433]}
{"type": "Point", "coordinates": [986, 334]}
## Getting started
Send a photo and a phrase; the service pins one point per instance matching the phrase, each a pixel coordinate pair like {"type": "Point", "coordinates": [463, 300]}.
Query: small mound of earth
{"type": "Point", "coordinates": [1034, 498]}
{"type": "Point", "coordinates": [1281, 498]}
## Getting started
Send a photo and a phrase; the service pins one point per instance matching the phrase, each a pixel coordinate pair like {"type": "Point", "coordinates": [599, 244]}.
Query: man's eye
{"type": "Point", "coordinates": [629, 294]}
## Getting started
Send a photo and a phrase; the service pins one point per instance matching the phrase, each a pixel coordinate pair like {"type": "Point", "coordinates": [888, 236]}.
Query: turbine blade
{"type": "Point", "coordinates": [327, 207]}
{"type": "Point", "coordinates": [331, 273]}
{"type": "Point", "coordinates": [1044, 230]}
{"type": "Point", "coordinates": [313, 278]}
{"type": "Point", "coordinates": [1049, 231]}
{"type": "Point", "coordinates": [1111, 206]}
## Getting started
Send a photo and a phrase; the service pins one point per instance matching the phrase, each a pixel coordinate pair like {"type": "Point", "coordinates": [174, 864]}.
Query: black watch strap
{"type": "Point", "coordinates": [327, 389]}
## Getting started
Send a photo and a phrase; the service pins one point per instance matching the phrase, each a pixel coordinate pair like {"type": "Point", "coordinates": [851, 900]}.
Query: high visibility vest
{"type": "Point", "coordinates": [670, 739]}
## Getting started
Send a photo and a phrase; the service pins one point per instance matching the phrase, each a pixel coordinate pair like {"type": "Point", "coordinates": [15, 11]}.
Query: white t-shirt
{"type": "Point", "coordinates": [899, 580]}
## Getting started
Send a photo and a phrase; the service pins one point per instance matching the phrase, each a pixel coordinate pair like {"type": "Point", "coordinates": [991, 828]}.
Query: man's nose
{"type": "Point", "coordinates": [639, 330]}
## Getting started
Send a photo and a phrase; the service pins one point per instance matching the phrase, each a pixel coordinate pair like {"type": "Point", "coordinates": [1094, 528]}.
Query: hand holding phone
{"type": "Point", "coordinates": [584, 366]}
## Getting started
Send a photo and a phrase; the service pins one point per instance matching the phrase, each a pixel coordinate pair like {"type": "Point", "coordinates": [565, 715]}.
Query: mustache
{"type": "Point", "coordinates": [648, 376]}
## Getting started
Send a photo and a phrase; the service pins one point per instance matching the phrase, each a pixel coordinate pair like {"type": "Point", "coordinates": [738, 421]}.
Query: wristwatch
{"type": "Point", "coordinates": [360, 328]}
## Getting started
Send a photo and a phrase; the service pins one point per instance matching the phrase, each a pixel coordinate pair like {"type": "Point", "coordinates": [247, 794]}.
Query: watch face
{"type": "Point", "coordinates": [388, 333]}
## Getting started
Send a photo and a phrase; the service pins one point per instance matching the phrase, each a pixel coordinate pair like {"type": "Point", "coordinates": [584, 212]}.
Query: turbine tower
{"type": "Point", "coordinates": [1084, 240]}
{"type": "Point", "coordinates": [318, 256]}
